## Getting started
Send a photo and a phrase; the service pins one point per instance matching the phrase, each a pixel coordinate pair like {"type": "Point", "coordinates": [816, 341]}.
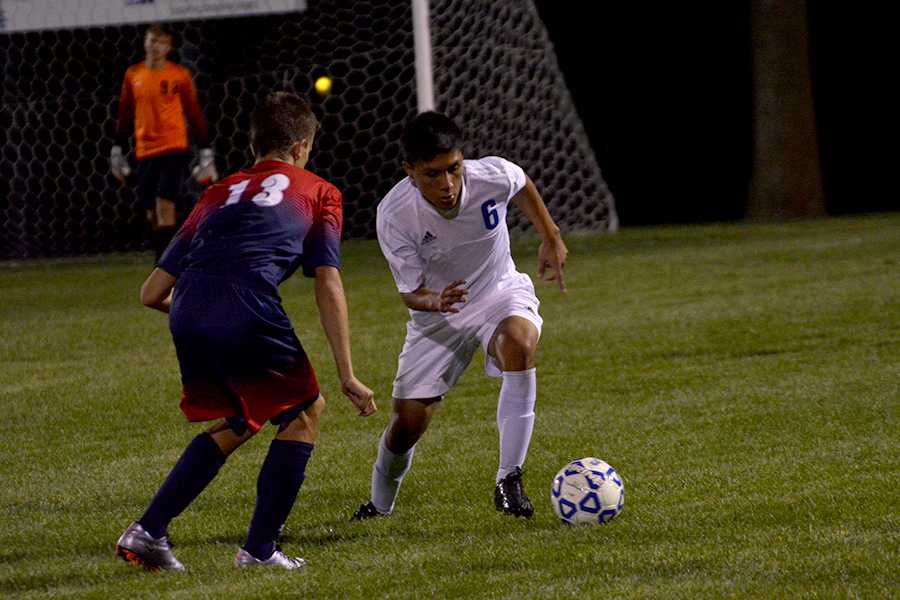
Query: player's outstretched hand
{"type": "Point", "coordinates": [360, 395]}
{"type": "Point", "coordinates": [455, 293]}
{"type": "Point", "coordinates": [553, 255]}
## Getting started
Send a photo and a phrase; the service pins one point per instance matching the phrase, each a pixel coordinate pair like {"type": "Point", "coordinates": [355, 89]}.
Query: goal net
{"type": "Point", "coordinates": [495, 72]}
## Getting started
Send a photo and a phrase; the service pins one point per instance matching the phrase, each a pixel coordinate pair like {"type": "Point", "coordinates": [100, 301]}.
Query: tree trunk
{"type": "Point", "coordinates": [787, 178]}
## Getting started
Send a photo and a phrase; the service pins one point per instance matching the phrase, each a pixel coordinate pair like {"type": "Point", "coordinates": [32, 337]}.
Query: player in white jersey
{"type": "Point", "coordinates": [443, 232]}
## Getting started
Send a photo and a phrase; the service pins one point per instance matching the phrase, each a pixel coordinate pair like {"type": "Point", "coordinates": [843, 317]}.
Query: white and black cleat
{"type": "Point", "coordinates": [510, 498]}
{"type": "Point", "coordinates": [278, 559]}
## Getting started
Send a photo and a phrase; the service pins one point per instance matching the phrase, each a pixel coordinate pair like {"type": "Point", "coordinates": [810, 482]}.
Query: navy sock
{"type": "Point", "coordinates": [279, 481]}
{"type": "Point", "coordinates": [197, 467]}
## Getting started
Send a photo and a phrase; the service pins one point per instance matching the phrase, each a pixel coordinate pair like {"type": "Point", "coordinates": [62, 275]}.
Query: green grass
{"type": "Point", "coordinates": [743, 379]}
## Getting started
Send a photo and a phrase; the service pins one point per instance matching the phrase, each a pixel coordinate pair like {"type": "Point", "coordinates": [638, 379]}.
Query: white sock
{"type": "Point", "coordinates": [387, 475]}
{"type": "Point", "coordinates": [515, 418]}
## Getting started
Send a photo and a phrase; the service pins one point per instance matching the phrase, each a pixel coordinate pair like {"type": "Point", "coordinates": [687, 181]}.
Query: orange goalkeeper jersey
{"type": "Point", "coordinates": [158, 100]}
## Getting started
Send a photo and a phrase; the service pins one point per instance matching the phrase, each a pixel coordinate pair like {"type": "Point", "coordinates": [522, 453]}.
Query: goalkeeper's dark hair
{"type": "Point", "coordinates": [281, 120]}
{"type": "Point", "coordinates": [429, 134]}
{"type": "Point", "coordinates": [161, 30]}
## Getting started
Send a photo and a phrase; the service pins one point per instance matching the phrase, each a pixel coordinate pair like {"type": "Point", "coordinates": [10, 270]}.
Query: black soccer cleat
{"type": "Point", "coordinates": [366, 511]}
{"type": "Point", "coordinates": [510, 498]}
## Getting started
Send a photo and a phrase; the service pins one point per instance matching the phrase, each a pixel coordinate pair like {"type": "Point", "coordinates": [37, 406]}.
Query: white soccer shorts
{"type": "Point", "coordinates": [439, 346]}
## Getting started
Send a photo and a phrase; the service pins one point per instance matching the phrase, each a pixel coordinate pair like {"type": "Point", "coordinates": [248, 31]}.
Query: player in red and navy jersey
{"type": "Point", "coordinates": [241, 363]}
{"type": "Point", "coordinates": [159, 100]}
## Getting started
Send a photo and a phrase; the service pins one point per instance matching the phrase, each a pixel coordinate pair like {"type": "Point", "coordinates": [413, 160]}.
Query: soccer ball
{"type": "Point", "coordinates": [587, 491]}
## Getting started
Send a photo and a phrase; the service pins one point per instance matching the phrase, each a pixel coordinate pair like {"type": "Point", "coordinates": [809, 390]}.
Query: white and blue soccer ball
{"type": "Point", "coordinates": [587, 491]}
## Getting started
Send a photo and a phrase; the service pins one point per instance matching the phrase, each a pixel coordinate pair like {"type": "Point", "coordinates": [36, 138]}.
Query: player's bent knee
{"type": "Point", "coordinates": [229, 436]}
{"type": "Point", "coordinates": [516, 332]}
{"type": "Point", "coordinates": [305, 426]}
{"type": "Point", "coordinates": [409, 420]}
{"type": "Point", "coordinates": [317, 407]}
{"type": "Point", "coordinates": [414, 414]}
{"type": "Point", "coordinates": [314, 413]}
{"type": "Point", "coordinates": [516, 353]}
{"type": "Point", "coordinates": [523, 344]}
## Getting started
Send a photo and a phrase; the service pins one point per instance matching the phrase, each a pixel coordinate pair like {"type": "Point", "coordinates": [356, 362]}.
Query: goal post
{"type": "Point", "coordinates": [422, 37]}
{"type": "Point", "coordinates": [493, 70]}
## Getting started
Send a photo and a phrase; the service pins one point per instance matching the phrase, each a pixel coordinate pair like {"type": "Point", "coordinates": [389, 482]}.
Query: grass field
{"type": "Point", "coordinates": [743, 379]}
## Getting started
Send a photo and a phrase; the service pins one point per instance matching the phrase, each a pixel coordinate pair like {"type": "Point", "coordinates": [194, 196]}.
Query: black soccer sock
{"type": "Point", "coordinates": [161, 239]}
{"type": "Point", "coordinates": [279, 481]}
{"type": "Point", "coordinates": [197, 467]}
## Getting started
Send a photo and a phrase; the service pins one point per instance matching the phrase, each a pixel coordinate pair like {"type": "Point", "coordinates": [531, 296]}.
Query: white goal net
{"type": "Point", "coordinates": [495, 72]}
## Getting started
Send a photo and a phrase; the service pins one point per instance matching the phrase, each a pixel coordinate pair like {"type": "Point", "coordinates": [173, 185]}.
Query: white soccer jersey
{"type": "Point", "coordinates": [427, 249]}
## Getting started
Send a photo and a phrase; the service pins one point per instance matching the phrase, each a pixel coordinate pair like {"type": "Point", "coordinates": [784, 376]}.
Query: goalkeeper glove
{"type": "Point", "coordinates": [205, 172]}
{"type": "Point", "coordinates": [118, 165]}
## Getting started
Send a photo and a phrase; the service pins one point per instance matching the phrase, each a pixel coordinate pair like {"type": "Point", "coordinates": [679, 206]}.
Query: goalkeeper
{"type": "Point", "coordinates": [157, 97]}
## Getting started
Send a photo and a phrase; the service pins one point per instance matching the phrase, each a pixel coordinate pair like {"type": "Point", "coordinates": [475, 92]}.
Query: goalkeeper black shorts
{"type": "Point", "coordinates": [161, 177]}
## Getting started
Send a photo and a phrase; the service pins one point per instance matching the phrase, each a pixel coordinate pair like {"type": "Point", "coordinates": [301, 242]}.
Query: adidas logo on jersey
{"type": "Point", "coordinates": [428, 237]}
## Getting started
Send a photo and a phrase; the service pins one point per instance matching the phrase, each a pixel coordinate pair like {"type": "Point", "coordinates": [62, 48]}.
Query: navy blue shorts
{"type": "Point", "coordinates": [161, 177]}
{"type": "Point", "coordinates": [238, 354]}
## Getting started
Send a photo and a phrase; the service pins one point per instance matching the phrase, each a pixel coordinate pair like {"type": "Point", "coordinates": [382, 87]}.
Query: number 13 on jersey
{"type": "Point", "coordinates": [273, 188]}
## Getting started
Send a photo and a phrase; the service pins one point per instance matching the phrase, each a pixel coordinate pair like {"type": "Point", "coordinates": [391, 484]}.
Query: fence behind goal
{"type": "Point", "coordinates": [494, 68]}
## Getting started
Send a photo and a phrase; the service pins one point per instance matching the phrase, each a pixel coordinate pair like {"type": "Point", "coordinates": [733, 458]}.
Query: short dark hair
{"type": "Point", "coordinates": [159, 29]}
{"type": "Point", "coordinates": [281, 120]}
{"type": "Point", "coordinates": [429, 134]}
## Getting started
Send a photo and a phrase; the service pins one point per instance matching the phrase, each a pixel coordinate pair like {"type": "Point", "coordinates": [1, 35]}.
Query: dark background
{"type": "Point", "coordinates": [666, 97]}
